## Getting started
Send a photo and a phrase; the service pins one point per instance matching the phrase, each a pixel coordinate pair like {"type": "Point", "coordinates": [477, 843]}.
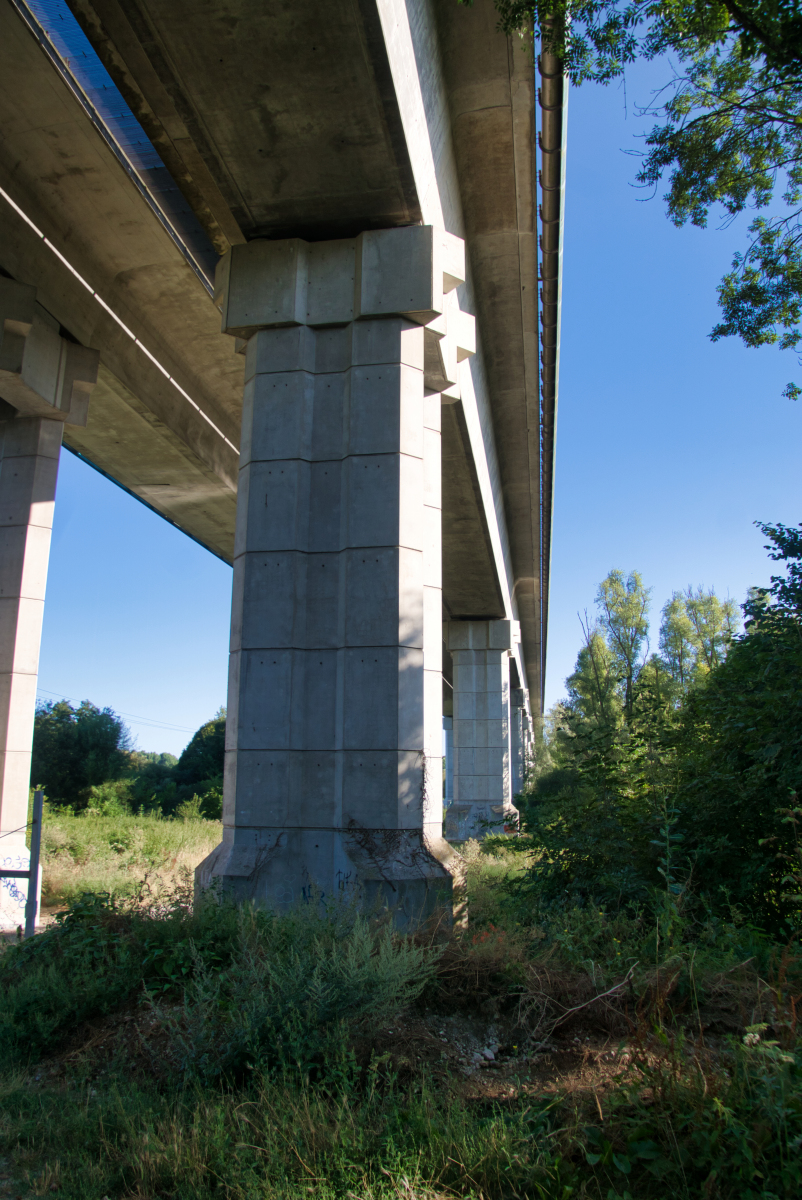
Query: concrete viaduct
{"type": "Point", "coordinates": [282, 271]}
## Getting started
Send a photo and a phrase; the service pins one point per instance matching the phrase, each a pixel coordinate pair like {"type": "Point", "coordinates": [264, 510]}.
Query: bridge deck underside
{"type": "Point", "coordinates": [278, 120]}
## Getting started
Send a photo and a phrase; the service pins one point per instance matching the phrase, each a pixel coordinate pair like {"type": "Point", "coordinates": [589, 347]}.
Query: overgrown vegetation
{"type": "Point", "coordinates": [83, 759]}
{"type": "Point", "coordinates": [154, 1050]}
{"type": "Point", "coordinates": [117, 853]}
{"type": "Point", "coordinates": [618, 1020]}
{"type": "Point", "coordinates": [675, 777]}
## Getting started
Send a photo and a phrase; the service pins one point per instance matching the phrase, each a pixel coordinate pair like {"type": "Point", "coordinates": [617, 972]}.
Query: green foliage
{"type": "Point", "coordinates": [293, 989]}
{"type": "Point", "coordinates": [284, 1140]}
{"type": "Point", "coordinates": [684, 1125]}
{"type": "Point", "coordinates": [99, 954]}
{"type": "Point", "coordinates": [682, 800]}
{"type": "Point", "coordinates": [204, 756]}
{"type": "Point", "coordinates": [256, 989]}
{"type": "Point", "coordinates": [268, 1083]}
{"type": "Point", "coordinates": [728, 134]}
{"type": "Point", "coordinates": [150, 783]}
{"type": "Point", "coordinates": [598, 39]}
{"type": "Point", "coordinates": [82, 757]}
{"type": "Point", "coordinates": [116, 852]}
{"type": "Point", "coordinates": [623, 604]}
{"type": "Point", "coordinates": [77, 749]}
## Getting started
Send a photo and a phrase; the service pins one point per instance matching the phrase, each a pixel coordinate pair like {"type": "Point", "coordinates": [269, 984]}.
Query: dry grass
{"type": "Point", "coordinates": [114, 854]}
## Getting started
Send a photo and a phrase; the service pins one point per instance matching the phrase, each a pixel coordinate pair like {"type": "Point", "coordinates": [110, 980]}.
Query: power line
{"type": "Point", "coordinates": [148, 721]}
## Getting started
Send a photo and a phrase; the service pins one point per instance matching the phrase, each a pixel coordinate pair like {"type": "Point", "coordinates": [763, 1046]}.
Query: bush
{"type": "Point", "coordinates": [256, 989]}
{"type": "Point", "coordinates": [98, 956]}
{"type": "Point", "coordinates": [293, 989]}
{"type": "Point", "coordinates": [203, 758]}
{"type": "Point", "coordinates": [689, 794]}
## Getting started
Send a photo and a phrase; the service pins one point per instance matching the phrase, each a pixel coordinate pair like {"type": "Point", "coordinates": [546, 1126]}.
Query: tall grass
{"type": "Point", "coordinates": [87, 852]}
{"type": "Point", "coordinates": [281, 1140]}
{"type": "Point", "coordinates": [247, 1056]}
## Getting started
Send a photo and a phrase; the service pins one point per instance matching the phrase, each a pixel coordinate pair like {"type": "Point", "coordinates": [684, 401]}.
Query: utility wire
{"type": "Point", "coordinates": [22, 829]}
{"type": "Point", "coordinates": [132, 716]}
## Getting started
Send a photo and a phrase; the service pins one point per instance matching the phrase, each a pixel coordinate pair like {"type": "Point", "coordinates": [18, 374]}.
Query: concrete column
{"type": "Point", "coordinates": [28, 467]}
{"type": "Point", "coordinates": [45, 381]}
{"type": "Point", "coordinates": [334, 740]}
{"type": "Point", "coordinates": [519, 738]}
{"type": "Point", "coordinates": [448, 739]}
{"type": "Point", "coordinates": [482, 734]}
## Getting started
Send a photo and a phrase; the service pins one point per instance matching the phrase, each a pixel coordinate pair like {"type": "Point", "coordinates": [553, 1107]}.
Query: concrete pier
{"type": "Point", "coordinates": [45, 381]}
{"type": "Point", "coordinates": [334, 735]}
{"type": "Point", "coordinates": [521, 738]}
{"type": "Point", "coordinates": [482, 728]}
{"type": "Point", "coordinates": [28, 467]}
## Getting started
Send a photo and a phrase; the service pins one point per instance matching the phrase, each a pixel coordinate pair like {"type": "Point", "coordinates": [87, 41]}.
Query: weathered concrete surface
{"type": "Point", "coordinates": [334, 730]}
{"type": "Point", "coordinates": [295, 122]}
{"type": "Point", "coordinates": [271, 99]}
{"type": "Point", "coordinates": [425, 100]}
{"type": "Point", "coordinates": [45, 383]}
{"type": "Point", "coordinates": [29, 453]}
{"type": "Point", "coordinates": [521, 739]}
{"type": "Point", "coordinates": [140, 430]}
{"type": "Point", "coordinates": [491, 92]}
{"type": "Point", "coordinates": [482, 728]}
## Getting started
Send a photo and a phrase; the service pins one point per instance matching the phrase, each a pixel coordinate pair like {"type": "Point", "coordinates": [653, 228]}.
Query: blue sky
{"type": "Point", "coordinates": [668, 448]}
{"type": "Point", "coordinates": [136, 614]}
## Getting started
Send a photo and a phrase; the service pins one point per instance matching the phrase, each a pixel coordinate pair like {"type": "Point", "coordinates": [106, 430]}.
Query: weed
{"type": "Point", "coordinates": [92, 852]}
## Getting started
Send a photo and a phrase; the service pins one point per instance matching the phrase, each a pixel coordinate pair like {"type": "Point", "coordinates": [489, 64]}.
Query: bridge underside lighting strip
{"type": "Point", "coordinates": [140, 345]}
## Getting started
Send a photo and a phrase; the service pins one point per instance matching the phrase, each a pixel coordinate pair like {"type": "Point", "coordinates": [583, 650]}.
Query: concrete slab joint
{"type": "Point", "coordinates": [334, 734]}
{"type": "Point", "coordinates": [482, 729]}
{"type": "Point", "coordinates": [45, 382]}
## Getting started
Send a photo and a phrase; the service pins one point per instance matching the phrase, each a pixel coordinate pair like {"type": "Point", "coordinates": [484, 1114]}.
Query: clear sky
{"type": "Point", "coordinates": [136, 614]}
{"type": "Point", "coordinates": [668, 448]}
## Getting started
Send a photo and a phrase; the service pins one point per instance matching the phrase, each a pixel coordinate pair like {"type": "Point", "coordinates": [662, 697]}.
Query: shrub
{"type": "Point", "coordinates": [256, 988]}
{"type": "Point", "coordinates": [294, 987]}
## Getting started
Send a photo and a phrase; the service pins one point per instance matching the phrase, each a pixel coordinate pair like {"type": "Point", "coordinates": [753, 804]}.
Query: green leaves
{"type": "Point", "coordinates": [679, 798]}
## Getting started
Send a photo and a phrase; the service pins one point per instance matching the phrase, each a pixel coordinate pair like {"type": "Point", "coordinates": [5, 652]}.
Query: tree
{"type": "Point", "coordinates": [592, 687]}
{"type": "Point", "coordinates": [623, 605]}
{"type": "Point", "coordinates": [597, 39]}
{"type": "Point", "coordinates": [729, 131]}
{"type": "Point", "coordinates": [713, 624]}
{"type": "Point", "coordinates": [786, 591]}
{"type": "Point", "coordinates": [676, 641]}
{"type": "Point", "coordinates": [203, 758]}
{"type": "Point", "coordinates": [75, 749]}
{"type": "Point", "coordinates": [705, 755]}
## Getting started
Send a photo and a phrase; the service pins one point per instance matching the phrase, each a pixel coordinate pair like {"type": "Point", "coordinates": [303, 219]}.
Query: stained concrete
{"type": "Point", "coordinates": [333, 738]}
{"type": "Point", "coordinates": [482, 728]}
{"type": "Point", "coordinates": [28, 469]}
{"type": "Point", "coordinates": [323, 130]}
{"type": "Point", "coordinates": [406, 112]}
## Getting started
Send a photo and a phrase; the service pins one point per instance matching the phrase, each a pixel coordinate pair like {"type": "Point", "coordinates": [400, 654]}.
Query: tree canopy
{"type": "Point", "coordinates": [75, 749]}
{"type": "Point", "coordinates": [728, 130]}
{"type": "Point", "coordinates": [202, 759]}
{"type": "Point", "coordinates": [679, 770]}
